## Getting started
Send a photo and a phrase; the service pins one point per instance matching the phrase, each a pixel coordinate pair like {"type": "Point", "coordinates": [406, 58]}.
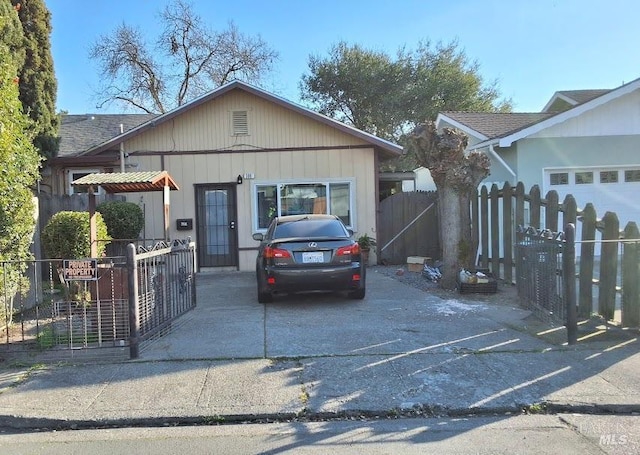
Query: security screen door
{"type": "Point", "coordinates": [217, 235]}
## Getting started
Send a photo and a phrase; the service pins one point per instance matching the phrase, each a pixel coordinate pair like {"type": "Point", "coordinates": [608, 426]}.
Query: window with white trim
{"type": "Point", "coordinates": [281, 199]}
{"type": "Point", "coordinates": [75, 174]}
{"type": "Point", "coordinates": [632, 175]}
{"type": "Point", "coordinates": [559, 178]}
{"type": "Point", "coordinates": [584, 178]}
{"type": "Point", "coordinates": [608, 176]}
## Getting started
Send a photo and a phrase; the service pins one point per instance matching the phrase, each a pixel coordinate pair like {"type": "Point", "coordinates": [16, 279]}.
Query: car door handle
{"type": "Point", "coordinates": [232, 225]}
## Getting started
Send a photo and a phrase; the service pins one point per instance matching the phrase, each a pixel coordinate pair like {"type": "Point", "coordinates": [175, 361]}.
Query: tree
{"type": "Point", "coordinates": [456, 176]}
{"type": "Point", "coordinates": [188, 60]}
{"type": "Point", "coordinates": [38, 85]}
{"type": "Point", "coordinates": [19, 163]}
{"type": "Point", "coordinates": [389, 96]}
{"type": "Point", "coordinates": [11, 35]}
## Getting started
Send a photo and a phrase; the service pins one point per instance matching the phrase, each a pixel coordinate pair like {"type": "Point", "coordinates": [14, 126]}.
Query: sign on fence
{"type": "Point", "coordinates": [80, 269]}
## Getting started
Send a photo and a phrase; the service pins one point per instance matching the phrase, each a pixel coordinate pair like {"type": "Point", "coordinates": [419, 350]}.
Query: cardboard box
{"type": "Point", "coordinates": [416, 263]}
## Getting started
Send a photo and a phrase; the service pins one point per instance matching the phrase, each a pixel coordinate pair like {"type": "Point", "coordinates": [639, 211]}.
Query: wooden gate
{"type": "Point", "coordinates": [408, 227]}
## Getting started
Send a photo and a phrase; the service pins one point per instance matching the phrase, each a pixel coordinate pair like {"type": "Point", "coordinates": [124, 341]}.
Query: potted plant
{"type": "Point", "coordinates": [366, 244]}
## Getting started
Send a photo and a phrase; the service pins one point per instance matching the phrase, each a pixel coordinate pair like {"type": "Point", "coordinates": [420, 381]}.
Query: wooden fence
{"type": "Point", "coordinates": [49, 204]}
{"type": "Point", "coordinates": [408, 227]}
{"type": "Point", "coordinates": [614, 272]}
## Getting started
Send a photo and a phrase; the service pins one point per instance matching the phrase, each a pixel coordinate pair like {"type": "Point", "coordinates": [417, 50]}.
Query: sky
{"type": "Point", "coordinates": [531, 48]}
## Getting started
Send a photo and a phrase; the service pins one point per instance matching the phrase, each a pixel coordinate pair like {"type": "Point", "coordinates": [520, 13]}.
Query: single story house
{"type": "Point", "coordinates": [240, 156]}
{"type": "Point", "coordinates": [584, 142]}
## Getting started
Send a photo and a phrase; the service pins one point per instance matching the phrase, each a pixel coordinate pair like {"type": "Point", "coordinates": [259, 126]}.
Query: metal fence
{"type": "Point", "coordinates": [48, 315]}
{"type": "Point", "coordinates": [538, 260]}
{"type": "Point", "coordinates": [43, 313]}
{"type": "Point", "coordinates": [163, 288]}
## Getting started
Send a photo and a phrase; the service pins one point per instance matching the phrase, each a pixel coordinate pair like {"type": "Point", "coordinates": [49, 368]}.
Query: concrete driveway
{"type": "Point", "coordinates": [400, 350]}
{"type": "Point", "coordinates": [392, 319]}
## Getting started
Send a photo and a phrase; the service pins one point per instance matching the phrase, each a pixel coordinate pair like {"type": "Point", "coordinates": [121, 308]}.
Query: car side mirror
{"type": "Point", "coordinates": [258, 236]}
{"type": "Point", "coordinates": [350, 231]}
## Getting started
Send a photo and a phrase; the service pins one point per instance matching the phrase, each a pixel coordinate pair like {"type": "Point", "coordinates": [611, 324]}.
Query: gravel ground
{"type": "Point", "coordinates": [505, 295]}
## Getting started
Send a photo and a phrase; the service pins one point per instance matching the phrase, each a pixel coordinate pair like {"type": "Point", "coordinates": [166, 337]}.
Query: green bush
{"type": "Point", "coordinates": [66, 236]}
{"type": "Point", "coordinates": [124, 219]}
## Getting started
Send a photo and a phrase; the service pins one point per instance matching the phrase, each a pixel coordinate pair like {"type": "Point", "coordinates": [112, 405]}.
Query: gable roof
{"type": "Point", "coordinates": [79, 133]}
{"type": "Point", "coordinates": [572, 98]}
{"type": "Point", "coordinates": [545, 119]}
{"type": "Point", "coordinates": [387, 147]}
{"type": "Point", "coordinates": [488, 125]}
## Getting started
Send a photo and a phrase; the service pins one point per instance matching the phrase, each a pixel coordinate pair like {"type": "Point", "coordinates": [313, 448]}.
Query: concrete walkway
{"type": "Point", "coordinates": [399, 351]}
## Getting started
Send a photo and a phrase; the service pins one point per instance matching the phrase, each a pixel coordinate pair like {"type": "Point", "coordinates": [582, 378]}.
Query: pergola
{"type": "Point", "coordinates": [125, 182]}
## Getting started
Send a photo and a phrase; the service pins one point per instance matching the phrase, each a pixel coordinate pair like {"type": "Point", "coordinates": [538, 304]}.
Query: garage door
{"type": "Point", "coordinates": [609, 189]}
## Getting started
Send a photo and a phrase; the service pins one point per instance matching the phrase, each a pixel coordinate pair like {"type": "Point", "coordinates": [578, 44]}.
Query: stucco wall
{"type": "Point", "coordinates": [536, 154]}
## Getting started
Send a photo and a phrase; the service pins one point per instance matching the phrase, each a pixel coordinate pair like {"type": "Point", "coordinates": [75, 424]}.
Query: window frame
{"type": "Point", "coordinates": [632, 175]}
{"type": "Point", "coordinates": [560, 176]}
{"type": "Point", "coordinates": [579, 178]}
{"type": "Point", "coordinates": [72, 171]}
{"type": "Point", "coordinates": [279, 184]}
{"type": "Point", "coordinates": [605, 176]}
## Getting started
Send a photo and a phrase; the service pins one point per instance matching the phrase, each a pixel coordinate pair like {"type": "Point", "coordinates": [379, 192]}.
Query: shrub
{"type": "Point", "coordinates": [66, 235]}
{"type": "Point", "coordinates": [124, 219]}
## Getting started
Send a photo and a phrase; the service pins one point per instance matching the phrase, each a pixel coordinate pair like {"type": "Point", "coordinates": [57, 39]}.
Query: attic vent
{"type": "Point", "coordinates": [240, 123]}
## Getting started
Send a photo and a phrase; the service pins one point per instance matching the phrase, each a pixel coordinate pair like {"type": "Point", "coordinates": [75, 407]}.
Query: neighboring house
{"type": "Point", "coordinates": [240, 156]}
{"type": "Point", "coordinates": [585, 143]}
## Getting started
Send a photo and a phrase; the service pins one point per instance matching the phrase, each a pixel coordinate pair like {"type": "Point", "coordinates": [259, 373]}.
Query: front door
{"type": "Point", "coordinates": [216, 230]}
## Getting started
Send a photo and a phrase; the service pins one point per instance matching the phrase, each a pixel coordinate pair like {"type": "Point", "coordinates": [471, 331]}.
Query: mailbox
{"type": "Point", "coordinates": [184, 224]}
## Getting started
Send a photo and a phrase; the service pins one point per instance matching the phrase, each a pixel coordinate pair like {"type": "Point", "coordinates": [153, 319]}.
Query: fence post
{"type": "Point", "coordinates": [495, 232]}
{"type": "Point", "coordinates": [534, 206]}
{"type": "Point", "coordinates": [484, 227]}
{"type": "Point", "coordinates": [631, 277]}
{"type": "Point", "coordinates": [507, 227]}
{"type": "Point", "coordinates": [569, 210]}
{"type": "Point", "coordinates": [589, 217]}
{"type": "Point", "coordinates": [569, 280]}
{"type": "Point", "coordinates": [608, 266]}
{"type": "Point", "coordinates": [134, 314]}
{"type": "Point", "coordinates": [552, 211]}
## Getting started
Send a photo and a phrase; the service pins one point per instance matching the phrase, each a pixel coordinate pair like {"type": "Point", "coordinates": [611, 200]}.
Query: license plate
{"type": "Point", "coordinates": [312, 257]}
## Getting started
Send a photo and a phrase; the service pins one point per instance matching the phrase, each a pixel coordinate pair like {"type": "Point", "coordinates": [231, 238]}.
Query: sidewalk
{"type": "Point", "coordinates": [399, 351]}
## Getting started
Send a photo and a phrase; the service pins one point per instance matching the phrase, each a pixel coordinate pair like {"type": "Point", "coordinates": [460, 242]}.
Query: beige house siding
{"type": "Point", "coordinates": [208, 128]}
{"type": "Point", "coordinates": [199, 149]}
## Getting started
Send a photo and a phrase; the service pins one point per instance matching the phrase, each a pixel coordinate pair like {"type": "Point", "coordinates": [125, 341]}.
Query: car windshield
{"type": "Point", "coordinates": [310, 228]}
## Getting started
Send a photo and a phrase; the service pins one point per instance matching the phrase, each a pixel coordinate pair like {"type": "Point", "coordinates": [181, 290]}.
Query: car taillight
{"type": "Point", "coordinates": [276, 253]}
{"type": "Point", "coordinates": [348, 250]}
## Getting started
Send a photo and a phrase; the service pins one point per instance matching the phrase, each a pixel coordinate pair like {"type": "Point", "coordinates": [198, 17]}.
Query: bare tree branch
{"type": "Point", "coordinates": [188, 60]}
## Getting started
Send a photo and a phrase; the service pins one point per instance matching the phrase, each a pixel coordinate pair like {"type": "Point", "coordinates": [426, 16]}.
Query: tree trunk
{"type": "Point", "coordinates": [451, 231]}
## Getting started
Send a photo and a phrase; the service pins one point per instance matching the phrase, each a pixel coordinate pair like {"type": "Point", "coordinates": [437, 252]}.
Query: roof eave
{"type": "Point", "coordinates": [390, 147]}
{"type": "Point", "coordinates": [461, 126]}
{"type": "Point", "coordinates": [575, 111]}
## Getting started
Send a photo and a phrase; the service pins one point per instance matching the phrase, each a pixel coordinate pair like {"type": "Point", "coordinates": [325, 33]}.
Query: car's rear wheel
{"type": "Point", "coordinates": [264, 297]}
{"type": "Point", "coordinates": [358, 294]}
